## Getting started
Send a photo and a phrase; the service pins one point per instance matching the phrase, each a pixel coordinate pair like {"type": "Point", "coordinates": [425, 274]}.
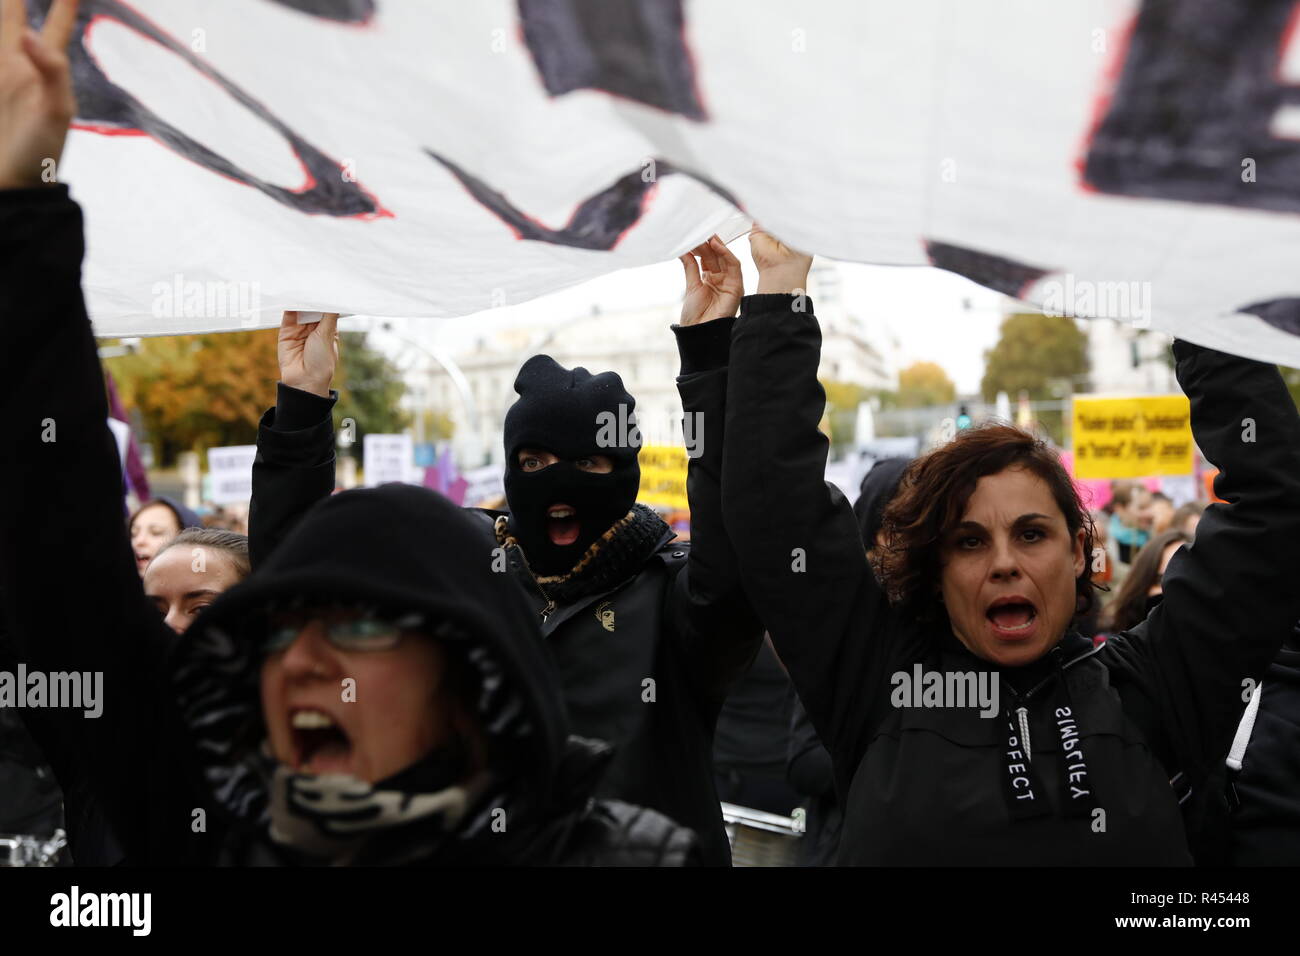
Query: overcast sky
{"type": "Point", "coordinates": [934, 315]}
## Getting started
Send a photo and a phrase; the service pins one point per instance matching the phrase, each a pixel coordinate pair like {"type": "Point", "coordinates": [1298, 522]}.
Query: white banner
{"type": "Point", "coordinates": [1130, 158]}
{"type": "Point", "coordinates": [388, 458]}
{"type": "Point", "coordinates": [486, 484]}
{"type": "Point", "coordinates": [230, 471]}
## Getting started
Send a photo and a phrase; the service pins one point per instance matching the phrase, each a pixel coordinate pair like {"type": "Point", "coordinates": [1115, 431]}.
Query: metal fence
{"type": "Point", "coordinates": [762, 839]}
{"type": "Point", "coordinates": [931, 422]}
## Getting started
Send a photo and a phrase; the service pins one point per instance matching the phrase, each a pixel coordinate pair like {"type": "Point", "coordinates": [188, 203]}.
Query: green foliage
{"type": "Point", "coordinates": [369, 387]}
{"type": "Point", "coordinates": [438, 425]}
{"type": "Point", "coordinates": [1044, 355]}
{"type": "Point", "coordinates": [1035, 353]}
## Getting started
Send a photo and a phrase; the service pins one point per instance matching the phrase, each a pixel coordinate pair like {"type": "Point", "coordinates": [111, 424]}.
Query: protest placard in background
{"type": "Point", "coordinates": [1134, 159]}
{"type": "Point", "coordinates": [485, 484]}
{"type": "Point", "coordinates": [230, 471]}
{"type": "Point", "coordinates": [663, 477]}
{"type": "Point", "coordinates": [1132, 437]}
{"type": "Point", "coordinates": [388, 458]}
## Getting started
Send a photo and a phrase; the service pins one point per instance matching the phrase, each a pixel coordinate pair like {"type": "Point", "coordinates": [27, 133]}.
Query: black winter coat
{"type": "Point", "coordinates": [681, 621]}
{"type": "Point", "coordinates": [63, 503]}
{"type": "Point", "coordinates": [926, 785]}
{"type": "Point", "coordinates": [1253, 813]}
{"type": "Point", "coordinates": [809, 771]}
{"type": "Point", "coordinates": [1264, 796]}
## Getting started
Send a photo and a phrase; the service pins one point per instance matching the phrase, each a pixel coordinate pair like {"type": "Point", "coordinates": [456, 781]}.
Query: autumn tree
{"type": "Point", "coordinates": [370, 388]}
{"type": "Point", "coordinates": [1034, 352]}
{"type": "Point", "coordinates": [199, 391]}
{"type": "Point", "coordinates": [1043, 355]}
{"type": "Point", "coordinates": [923, 385]}
{"type": "Point", "coordinates": [205, 391]}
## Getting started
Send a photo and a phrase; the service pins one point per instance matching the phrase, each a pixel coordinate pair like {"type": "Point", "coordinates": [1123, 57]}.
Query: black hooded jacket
{"type": "Point", "coordinates": [31, 802]}
{"type": "Point", "coordinates": [930, 785]}
{"type": "Point", "coordinates": [181, 714]}
{"type": "Point", "coordinates": [1264, 796]}
{"type": "Point", "coordinates": [678, 619]}
{"type": "Point", "coordinates": [1250, 815]}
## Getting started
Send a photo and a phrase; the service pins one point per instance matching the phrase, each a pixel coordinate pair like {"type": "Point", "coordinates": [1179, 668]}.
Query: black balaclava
{"type": "Point", "coordinates": [572, 414]}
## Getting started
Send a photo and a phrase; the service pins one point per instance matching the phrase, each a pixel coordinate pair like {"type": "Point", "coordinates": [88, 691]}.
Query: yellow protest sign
{"type": "Point", "coordinates": [663, 477]}
{"type": "Point", "coordinates": [1132, 437]}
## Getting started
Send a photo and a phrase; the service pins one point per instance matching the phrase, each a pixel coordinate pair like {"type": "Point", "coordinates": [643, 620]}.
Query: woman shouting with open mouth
{"type": "Point", "coordinates": [979, 568]}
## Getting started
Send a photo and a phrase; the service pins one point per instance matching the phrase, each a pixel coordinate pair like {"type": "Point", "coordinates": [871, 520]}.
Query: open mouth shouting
{"type": "Point", "coordinates": [319, 742]}
{"type": "Point", "coordinates": [1012, 618]}
{"type": "Point", "coordinates": [562, 524]}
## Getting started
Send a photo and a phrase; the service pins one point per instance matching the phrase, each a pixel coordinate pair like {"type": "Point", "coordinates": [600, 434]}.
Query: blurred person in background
{"type": "Point", "coordinates": [227, 518]}
{"type": "Point", "coordinates": [1187, 517]}
{"type": "Point", "coordinates": [1158, 514]}
{"type": "Point", "coordinates": [1125, 533]}
{"type": "Point", "coordinates": [155, 523]}
{"type": "Point", "coordinates": [1142, 589]}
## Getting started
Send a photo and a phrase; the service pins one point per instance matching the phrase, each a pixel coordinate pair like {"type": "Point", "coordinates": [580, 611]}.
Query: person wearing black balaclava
{"type": "Point", "coordinates": [572, 474]}
{"type": "Point", "coordinates": [647, 633]}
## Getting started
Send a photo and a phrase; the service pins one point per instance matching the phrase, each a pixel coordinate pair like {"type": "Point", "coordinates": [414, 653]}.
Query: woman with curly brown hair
{"type": "Point", "coordinates": [967, 720]}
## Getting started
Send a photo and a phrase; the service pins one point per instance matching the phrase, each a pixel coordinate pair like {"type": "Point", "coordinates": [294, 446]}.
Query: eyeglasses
{"type": "Point", "coordinates": [347, 633]}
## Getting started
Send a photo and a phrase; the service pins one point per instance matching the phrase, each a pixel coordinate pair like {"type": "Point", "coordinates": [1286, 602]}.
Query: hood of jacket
{"type": "Point", "coordinates": [185, 517]}
{"type": "Point", "coordinates": [399, 550]}
{"type": "Point", "coordinates": [878, 486]}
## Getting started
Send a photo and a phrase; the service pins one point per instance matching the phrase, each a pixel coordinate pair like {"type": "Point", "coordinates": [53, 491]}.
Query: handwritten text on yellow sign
{"type": "Point", "coordinates": [1132, 437]}
{"type": "Point", "coordinates": [663, 476]}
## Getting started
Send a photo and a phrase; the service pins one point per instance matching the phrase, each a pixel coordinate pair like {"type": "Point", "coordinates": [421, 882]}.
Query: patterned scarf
{"type": "Point", "coordinates": [423, 814]}
{"type": "Point", "coordinates": [337, 818]}
{"type": "Point", "coordinates": [614, 557]}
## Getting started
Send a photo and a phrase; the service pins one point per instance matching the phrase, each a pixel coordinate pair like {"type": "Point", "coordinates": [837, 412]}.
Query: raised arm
{"type": "Point", "coordinates": [73, 601]}
{"type": "Point", "coordinates": [294, 467]}
{"type": "Point", "coordinates": [711, 615]}
{"type": "Point", "coordinates": [1230, 598]}
{"type": "Point", "coordinates": [796, 539]}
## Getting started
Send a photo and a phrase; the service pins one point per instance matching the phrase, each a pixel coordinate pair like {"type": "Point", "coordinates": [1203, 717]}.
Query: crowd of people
{"type": "Point", "coordinates": [379, 677]}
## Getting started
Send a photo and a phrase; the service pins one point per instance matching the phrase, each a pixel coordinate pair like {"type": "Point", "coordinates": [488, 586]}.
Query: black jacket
{"type": "Point", "coordinates": [31, 802]}
{"type": "Point", "coordinates": [924, 785]}
{"type": "Point", "coordinates": [147, 757]}
{"type": "Point", "coordinates": [681, 621]}
{"type": "Point", "coordinates": [1264, 796]}
{"type": "Point", "coordinates": [809, 771]}
{"type": "Point", "coordinates": [1251, 816]}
